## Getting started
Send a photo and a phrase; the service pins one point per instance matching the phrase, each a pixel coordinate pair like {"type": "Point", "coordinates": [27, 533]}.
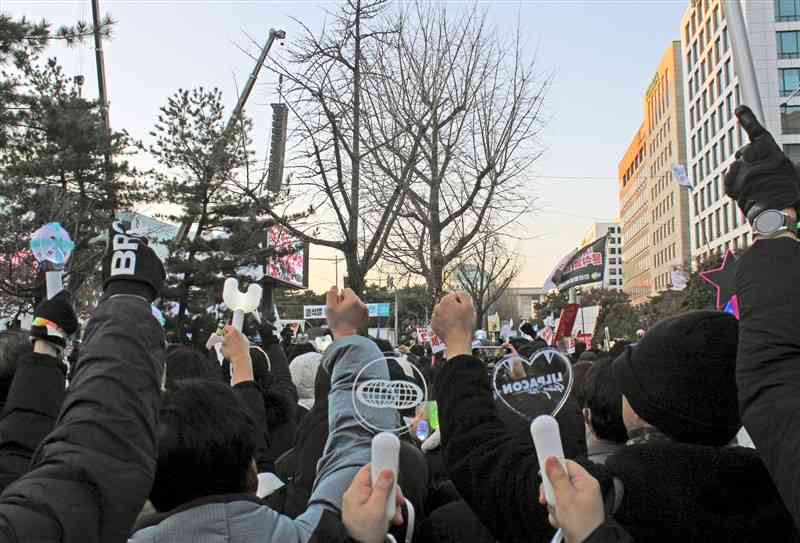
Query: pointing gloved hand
{"type": "Point", "coordinates": [762, 177]}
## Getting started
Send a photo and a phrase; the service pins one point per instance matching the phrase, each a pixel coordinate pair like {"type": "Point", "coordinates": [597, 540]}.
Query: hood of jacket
{"type": "Point", "coordinates": [235, 518]}
{"type": "Point", "coordinates": [682, 492]}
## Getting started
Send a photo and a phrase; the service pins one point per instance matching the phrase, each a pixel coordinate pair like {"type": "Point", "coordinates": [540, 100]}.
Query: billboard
{"type": "Point", "coordinates": [289, 265]}
{"type": "Point", "coordinates": [586, 266]}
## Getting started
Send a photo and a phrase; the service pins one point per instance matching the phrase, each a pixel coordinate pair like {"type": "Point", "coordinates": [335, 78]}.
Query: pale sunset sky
{"type": "Point", "coordinates": [603, 54]}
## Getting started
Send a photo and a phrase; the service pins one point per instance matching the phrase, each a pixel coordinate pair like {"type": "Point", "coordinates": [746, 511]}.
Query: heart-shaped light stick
{"type": "Point", "coordinates": [240, 302]}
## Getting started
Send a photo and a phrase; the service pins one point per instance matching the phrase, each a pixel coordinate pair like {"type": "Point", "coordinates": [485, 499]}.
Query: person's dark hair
{"type": "Point", "coordinates": [581, 371]}
{"type": "Point", "coordinates": [13, 345]}
{"type": "Point", "coordinates": [418, 351]}
{"type": "Point", "coordinates": [205, 444]}
{"type": "Point", "coordinates": [618, 349]}
{"type": "Point", "coordinates": [299, 348]}
{"type": "Point", "coordinates": [603, 396]}
{"type": "Point", "coordinates": [185, 362]}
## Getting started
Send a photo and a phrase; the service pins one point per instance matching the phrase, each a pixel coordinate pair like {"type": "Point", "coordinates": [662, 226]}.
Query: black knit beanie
{"type": "Point", "coordinates": [681, 377]}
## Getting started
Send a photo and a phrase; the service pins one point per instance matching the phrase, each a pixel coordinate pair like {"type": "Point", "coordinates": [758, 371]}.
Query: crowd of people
{"type": "Point", "coordinates": [129, 438]}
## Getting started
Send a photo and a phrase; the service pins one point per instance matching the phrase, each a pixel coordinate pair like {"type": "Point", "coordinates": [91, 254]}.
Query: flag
{"type": "Point", "coordinates": [678, 279]}
{"type": "Point", "coordinates": [547, 335]}
{"type": "Point", "coordinates": [680, 175]}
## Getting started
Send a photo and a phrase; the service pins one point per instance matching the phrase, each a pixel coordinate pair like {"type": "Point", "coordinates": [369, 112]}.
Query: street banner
{"type": "Point", "coordinates": [314, 312]}
{"type": "Point", "coordinates": [567, 321]}
{"type": "Point", "coordinates": [587, 266]}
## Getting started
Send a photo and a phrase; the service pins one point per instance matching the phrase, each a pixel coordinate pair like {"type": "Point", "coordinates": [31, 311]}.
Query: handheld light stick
{"type": "Point", "coordinates": [51, 243]}
{"type": "Point", "coordinates": [240, 302]}
{"type": "Point", "coordinates": [386, 455]}
{"type": "Point", "coordinates": [547, 440]}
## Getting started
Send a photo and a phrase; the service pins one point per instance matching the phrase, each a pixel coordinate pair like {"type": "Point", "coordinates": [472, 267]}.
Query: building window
{"type": "Point", "coordinates": [735, 216]}
{"type": "Point", "coordinates": [725, 218]}
{"type": "Point", "coordinates": [697, 235]}
{"type": "Point", "coordinates": [730, 141]}
{"type": "Point", "coordinates": [789, 80]}
{"type": "Point", "coordinates": [716, 18]}
{"type": "Point", "coordinates": [716, 223]}
{"type": "Point", "coordinates": [702, 199]}
{"type": "Point", "coordinates": [729, 106]}
{"type": "Point", "coordinates": [717, 47]}
{"type": "Point", "coordinates": [787, 10]}
{"type": "Point", "coordinates": [722, 149]}
{"type": "Point", "coordinates": [727, 72]}
{"type": "Point", "coordinates": [790, 119]}
{"type": "Point", "coordinates": [716, 189]}
{"type": "Point", "coordinates": [789, 44]}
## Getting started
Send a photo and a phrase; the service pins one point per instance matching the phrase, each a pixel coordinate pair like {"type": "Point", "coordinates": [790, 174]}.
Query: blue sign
{"type": "Point", "coordinates": [379, 310]}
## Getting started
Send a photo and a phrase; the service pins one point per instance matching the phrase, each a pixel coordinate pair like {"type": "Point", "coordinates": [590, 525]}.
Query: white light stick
{"type": "Point", "coordinates": [240, 302]}
{"type": "Point", "coordinates": [386, 455]}
{"type": "Point", "coordinates": [55, 282]}
{"type": "Point", "coordinates": [547, 440]}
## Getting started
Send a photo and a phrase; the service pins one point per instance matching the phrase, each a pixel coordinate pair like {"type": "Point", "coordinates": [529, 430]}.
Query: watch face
{"type": "Point", "coordinates": [768, 222]}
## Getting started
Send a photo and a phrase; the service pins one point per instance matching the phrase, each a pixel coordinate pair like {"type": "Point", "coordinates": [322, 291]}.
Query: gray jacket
{"type": "Point", "coordinates": [242, 518]}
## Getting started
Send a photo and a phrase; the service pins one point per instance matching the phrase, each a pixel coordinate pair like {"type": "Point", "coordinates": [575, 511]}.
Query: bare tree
{"type": "Point", "coordinates": [485, 273]}
{"type": "Point", "coordinates": [328, 74]}
{"type": "Point", "coordinates": [481, 102]}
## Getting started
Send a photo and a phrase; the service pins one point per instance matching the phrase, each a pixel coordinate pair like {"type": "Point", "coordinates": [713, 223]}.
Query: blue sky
{"type": "Point", "coordinates": [603, 53]}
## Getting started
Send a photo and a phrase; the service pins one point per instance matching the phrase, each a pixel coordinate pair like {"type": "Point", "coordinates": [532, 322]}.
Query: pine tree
{"type": "Point", "coordinates": [52, 147]}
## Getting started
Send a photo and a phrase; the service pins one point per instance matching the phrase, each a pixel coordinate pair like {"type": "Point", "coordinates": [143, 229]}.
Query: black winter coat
{"type": "Point", "coordinates": [768, 364]}
{"type": "Point", "coordinates": [29, 414]}
{"type": "Point", "coordinates": [672, 492]}
{"type": "Point", "coordinates": [90, 476]}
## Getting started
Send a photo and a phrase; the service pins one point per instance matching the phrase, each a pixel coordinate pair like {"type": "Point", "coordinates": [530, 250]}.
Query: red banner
{"type": "Point", "coordinates": [587, 339]}
{"type": "Point", "coordinates": [567, 321]}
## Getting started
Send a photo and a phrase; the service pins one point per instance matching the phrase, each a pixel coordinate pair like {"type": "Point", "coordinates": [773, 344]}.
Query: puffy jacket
{"type": "Point", "coordinates": [92, 473]}
{"type": "Point", "coordinates": [236, 518]}
{"type": "Point", "coordinates": [30, 412]}
{"type": "Point", "coordinates": [768, 362]}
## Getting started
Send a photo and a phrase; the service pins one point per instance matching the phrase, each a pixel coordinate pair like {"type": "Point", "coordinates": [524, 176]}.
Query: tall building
{"type": "Point", "coordinates": [654, 206]}
{"type": "Point", "coordinates": [712, 91]}
{"type": "Point", "coordinates": [612, 273]}
{"type": "Point", "coordinates": [635, 219]}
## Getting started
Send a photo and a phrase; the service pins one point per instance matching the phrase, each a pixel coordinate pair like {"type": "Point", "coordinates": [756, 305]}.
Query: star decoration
{"type": "Point", "coordinates": [723, 279]}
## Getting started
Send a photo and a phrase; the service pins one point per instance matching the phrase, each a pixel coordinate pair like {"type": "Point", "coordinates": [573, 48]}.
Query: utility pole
{"type": "Point", "coordinates": [101, 86]}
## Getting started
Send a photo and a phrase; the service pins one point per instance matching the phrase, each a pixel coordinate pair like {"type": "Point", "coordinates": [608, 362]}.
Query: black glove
{"type": "Point", "coordinates": [131, 267]}
{"type": "Point", "coordinates": [762, 174]}
{"type": "Point", "coordinates": [54, 320]}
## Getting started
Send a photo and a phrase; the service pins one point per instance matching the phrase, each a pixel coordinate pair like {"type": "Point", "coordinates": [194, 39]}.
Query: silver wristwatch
{"type": "Point", "coordinates": [771, 223]}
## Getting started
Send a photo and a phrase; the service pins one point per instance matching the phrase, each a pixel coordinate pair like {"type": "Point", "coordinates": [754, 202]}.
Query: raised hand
{"type": "Point", "coordinates": [364, 506]}
{"type": "Point", "coordinates": [347, 314]}
{"type": "Point", "coordinates": [578, 510]}
{"type": "Point", "coordinates": [762, 177]}
{"type": "Point", "coordinates": [236, 348]}
{"type": "Point", "coordinates": [131, 267]}
{"type": "Point", "coordinates": [54, 320]}
{"type": "Point", "coordinates": [454, 321]}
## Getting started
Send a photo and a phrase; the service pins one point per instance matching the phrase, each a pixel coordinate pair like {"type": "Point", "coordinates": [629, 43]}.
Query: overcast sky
{"type": "Point", "coordinates": [604, 54]}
